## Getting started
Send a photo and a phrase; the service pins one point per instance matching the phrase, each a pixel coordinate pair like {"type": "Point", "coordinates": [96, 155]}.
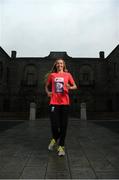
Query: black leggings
{"type": "Point", "coordinates": [59, 122]}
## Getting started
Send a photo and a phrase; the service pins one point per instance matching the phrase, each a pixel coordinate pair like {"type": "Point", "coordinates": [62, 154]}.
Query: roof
{"type": "Point", "coordinates": [115, 50]}
{"type": "Point", "coordinates": [3, 53]}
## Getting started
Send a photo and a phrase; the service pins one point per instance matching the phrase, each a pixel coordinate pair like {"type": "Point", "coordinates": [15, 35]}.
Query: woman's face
{"type": "Point", "coordinates": [60, 65]}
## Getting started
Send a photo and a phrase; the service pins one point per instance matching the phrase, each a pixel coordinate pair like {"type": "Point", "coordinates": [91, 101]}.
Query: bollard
{"type": "Point", "coordinates": [83, 111]}
{"type": "Point", "coordinates": [83, 116]}
{"type": "Point", "coordinates": [32, 111]}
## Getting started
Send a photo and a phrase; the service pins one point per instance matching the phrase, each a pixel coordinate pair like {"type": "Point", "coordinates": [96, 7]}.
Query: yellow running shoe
{"type": "Point", "coordinates": [51, 145]}
{"type": "Point", "coordinates": [61, 151]}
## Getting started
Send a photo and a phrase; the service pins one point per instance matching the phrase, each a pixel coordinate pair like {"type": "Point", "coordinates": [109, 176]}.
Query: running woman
{"type": "Point", "coordinates": [57, 87]}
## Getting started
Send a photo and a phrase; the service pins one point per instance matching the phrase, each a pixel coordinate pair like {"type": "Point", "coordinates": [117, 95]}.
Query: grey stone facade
{"type": "Point", "coordinates": [22, 82]}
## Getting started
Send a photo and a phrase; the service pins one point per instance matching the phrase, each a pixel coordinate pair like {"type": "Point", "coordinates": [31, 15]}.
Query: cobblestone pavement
{"type": "Point", "coordinates": [92, 152]}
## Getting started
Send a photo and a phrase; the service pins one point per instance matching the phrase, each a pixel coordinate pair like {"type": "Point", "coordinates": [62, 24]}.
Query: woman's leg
{"type": "Point", "coordinates": [54, 118]}
{"type": "Point", "coordinates": [64, 111]}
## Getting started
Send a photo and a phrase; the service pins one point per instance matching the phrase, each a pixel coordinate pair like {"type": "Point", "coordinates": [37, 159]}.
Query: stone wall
{"type": "Point", "coordinates": [22, 82]}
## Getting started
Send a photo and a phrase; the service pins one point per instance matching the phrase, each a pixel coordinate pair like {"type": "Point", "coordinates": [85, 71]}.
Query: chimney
{"type": "Point", "coordinates": [13, 54]}
{"type": "Point", "coordinates": [101, 55]}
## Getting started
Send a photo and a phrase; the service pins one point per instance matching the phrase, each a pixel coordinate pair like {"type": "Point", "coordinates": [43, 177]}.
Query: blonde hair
{"type": "Point", "coordinates": [54, 68]}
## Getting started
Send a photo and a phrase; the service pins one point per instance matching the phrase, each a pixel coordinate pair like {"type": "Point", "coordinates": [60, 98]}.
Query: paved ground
{"type": "Point", "coordinates": [92, 151]}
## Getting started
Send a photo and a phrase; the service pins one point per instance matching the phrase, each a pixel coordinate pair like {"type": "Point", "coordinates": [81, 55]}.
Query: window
{"type": "Point", "coordinates": [115, 69]}
{"type": "Point", "coordinates": [8, 75]}
{"type": "Point", "coordinates": [30, 75]}
{"type": "Point", "coordinates": [1, 70]}
{"type": "Point", "coordinates": [86, 76]}
{"type": "Point", "coordinates": [30, 79]}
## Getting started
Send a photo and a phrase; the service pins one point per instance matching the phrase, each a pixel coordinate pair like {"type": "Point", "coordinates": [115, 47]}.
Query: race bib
{"type": "Point", "coordinates": [59, 85]}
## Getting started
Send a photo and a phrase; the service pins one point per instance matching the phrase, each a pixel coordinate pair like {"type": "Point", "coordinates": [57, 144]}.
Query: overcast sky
{"type": "Point", "coordinates": [81, 27]}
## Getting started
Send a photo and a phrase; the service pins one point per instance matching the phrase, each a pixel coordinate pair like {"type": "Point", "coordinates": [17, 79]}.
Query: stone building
{"type": "Point", "coordinates": [22, 82]}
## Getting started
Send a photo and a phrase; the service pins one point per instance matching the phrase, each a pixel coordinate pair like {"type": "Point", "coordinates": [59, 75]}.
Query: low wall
{"type": "Point", "coordinates": [14, 115]}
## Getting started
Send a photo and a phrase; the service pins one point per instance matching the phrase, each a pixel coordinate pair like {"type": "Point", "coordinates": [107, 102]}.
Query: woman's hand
{"type": "Point", "coordinates": [69, 87]}
{"type": "Point", "coordinates": [49, 93]}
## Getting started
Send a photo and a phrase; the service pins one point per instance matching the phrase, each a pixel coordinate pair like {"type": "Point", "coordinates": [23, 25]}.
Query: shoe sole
{"type": "Point", "coordinates": [61, 154]}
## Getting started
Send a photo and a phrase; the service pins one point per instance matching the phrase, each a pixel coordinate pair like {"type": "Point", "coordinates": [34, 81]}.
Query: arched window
{"type": "Point", "coordinates": [86, 75]}
{"type": "Point", "coordinates": [30, 75]}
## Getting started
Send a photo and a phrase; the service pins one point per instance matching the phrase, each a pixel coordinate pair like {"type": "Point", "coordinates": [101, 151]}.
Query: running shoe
{"type": "Point", "coordinates": [52, 145]}
{"type": "Point", "coordinates": [61, 151]}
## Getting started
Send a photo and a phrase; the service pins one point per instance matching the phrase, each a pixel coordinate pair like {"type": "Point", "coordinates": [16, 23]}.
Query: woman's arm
{"type": "Point", "coordinates": [71, 87]}
{"type": "Point", "coordinates": [49, 93]}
